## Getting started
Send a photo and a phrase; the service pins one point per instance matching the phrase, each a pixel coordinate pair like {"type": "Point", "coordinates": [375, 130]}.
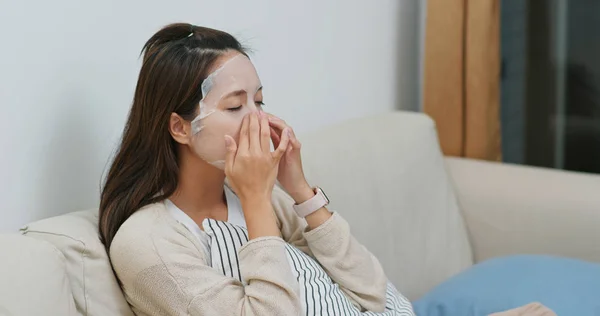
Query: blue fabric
{"type": "Point", "coordinates": [567, 286]}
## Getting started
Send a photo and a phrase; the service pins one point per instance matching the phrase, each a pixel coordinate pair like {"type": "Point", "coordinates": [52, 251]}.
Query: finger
{"type": "Point", "coordinates": [254, 130]}
{"type": "Point", "coordinates": [230, 154]}
{"type": "Point", "coordinates": [294, 140]}
{"type": "Point", "coordinates": [275, 134]}
{"type": "Point", "coordinates": [244, 133]}
{"type": "Point", "coordinates": [277, 123]}
{"type": "Point", "coordinates": [280, 125]}
{"type": "Point", "coordinates": [275, 138]}
{"type": "Point", "coordinates": [274, 118]}
{"type": "Point", "coordinates": [265, 133]}
{"type": "Point", "coordinates": [283, 145]}
{"type": "Point", "coordinates": [270, 116]}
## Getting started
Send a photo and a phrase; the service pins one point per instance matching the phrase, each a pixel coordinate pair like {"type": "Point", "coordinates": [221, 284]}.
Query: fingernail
{"type": "Point", "coordinates": [227, 141]}
{"type": "Point", "coordinates": [288, 132]}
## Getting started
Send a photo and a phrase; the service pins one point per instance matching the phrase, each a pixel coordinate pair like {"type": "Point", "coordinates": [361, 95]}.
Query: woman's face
{"type": "Point", "coordinates": [230, 92]}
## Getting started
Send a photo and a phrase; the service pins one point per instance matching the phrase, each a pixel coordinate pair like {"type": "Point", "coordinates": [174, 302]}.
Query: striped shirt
{"type": "Point", "coordinates": [235, 215]}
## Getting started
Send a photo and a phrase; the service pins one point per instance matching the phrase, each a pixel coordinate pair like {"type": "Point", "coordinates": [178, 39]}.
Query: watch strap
{"type": "Point", "coordinates": [313, 204]}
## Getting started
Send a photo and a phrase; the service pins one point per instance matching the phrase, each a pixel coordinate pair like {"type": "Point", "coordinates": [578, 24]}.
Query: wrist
{"type": "Point", "coordinates": [302, 194]}
{"type": "Point", "coordinates": [255, 195]}
{"type": "Point", "coordinates": [255, 202]}
{"type": "Point", "coordinates": [260, 217]}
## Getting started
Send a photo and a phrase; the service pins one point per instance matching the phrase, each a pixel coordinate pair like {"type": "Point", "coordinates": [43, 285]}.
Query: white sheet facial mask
{"type": "Point", "coordinates": [232, 85]}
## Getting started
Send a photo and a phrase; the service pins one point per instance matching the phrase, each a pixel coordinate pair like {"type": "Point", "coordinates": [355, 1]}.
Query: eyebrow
{"type": "Point", "coordinates": [239, 92]}
{"type": "Point", "coordinates": [235, 93]}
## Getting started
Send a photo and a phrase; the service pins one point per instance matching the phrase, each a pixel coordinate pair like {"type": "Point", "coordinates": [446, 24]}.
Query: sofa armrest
{"type": "Point", "coordinates": [511, 209]}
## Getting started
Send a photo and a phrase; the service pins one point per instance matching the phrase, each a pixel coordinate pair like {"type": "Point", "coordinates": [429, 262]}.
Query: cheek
{"type": "Point", "coordinates": [230, 124]}
{"type": "Point", "coordinates": [224, 123]}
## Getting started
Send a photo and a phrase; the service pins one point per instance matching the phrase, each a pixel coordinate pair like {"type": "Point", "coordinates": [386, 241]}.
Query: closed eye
{"type": "Point", "coordinates": [258, 103]}
{"type": "Point", "coordinates": [235, 109]}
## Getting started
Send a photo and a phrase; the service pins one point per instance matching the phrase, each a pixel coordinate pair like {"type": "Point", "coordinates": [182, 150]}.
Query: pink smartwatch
{"type": "Point", "coordinates": [313, 204]}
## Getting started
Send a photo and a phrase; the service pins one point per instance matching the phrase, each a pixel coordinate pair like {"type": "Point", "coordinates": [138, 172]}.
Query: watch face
{"type": "Point", "coordinates": [325, 195]}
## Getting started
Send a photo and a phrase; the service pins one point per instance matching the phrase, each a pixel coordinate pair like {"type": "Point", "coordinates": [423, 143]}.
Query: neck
{"type": "Point", "coordinates": [200, 185]}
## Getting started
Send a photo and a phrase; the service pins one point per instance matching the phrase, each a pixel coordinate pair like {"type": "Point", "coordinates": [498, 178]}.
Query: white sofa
{"type": "Point", "coordinates": [425, 216]}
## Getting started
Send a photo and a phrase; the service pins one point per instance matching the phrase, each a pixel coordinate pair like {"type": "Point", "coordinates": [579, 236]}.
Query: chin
{"type": "Point", "coordinates": [219, 164]}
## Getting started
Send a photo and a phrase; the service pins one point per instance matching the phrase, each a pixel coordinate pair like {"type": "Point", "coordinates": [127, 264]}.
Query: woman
{"type": "Point", "coordinates": [196, 120]}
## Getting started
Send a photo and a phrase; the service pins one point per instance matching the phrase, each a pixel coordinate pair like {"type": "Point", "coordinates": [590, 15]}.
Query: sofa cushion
{"type": "Point", "coordinates": [33, 280]}
{"type": "Point", "coordinates": [386, 175]}
{"type": "Point", "coordinates": [95, 288]}
{"type": "Point", "coordinates": [566, 286]}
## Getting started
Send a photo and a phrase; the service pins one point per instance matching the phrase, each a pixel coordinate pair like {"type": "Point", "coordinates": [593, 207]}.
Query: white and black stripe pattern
{"type": "Point", "coordinates": [226, 239]}
{"type": "Point", "coordinates": [320, 295]}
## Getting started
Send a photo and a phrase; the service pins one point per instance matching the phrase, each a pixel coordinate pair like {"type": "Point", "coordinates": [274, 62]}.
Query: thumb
{"type": "Point", "coordinates": [231, 147]}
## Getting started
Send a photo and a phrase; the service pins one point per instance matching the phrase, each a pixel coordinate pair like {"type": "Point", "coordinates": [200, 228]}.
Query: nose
{"type": "Point", "coordinates": [253, 108]}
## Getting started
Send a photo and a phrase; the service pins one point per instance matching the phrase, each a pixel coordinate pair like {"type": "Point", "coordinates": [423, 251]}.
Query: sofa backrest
{"type": "Point", "coordinates": [33, 278]}
{"type": "Point", "coordinates": [93, 283]}
{"type": "Point", "coordinates": [385, 174]}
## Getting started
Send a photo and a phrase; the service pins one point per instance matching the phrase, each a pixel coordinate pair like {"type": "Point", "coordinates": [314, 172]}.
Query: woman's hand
{"type": "Point", "coordinates": [252, 168]}
{"type": "Point", "coordinates": [290, 175]}
{"type": "Point", "coordinates": [250, 165]}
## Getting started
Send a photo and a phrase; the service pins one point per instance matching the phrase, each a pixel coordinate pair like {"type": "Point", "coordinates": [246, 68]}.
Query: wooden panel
{"type": "Point", "coordinates": [482, 68]}
{"type": "Point", "coordinates": [443, 72]}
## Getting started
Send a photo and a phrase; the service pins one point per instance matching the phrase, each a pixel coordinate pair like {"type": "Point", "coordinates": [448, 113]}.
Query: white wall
{"type": "Point", "coordinates": [68, 69]}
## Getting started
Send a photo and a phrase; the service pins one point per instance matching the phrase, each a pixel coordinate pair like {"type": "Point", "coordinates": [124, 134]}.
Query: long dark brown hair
{"type": "Point", "coordinates": [144, 170]}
